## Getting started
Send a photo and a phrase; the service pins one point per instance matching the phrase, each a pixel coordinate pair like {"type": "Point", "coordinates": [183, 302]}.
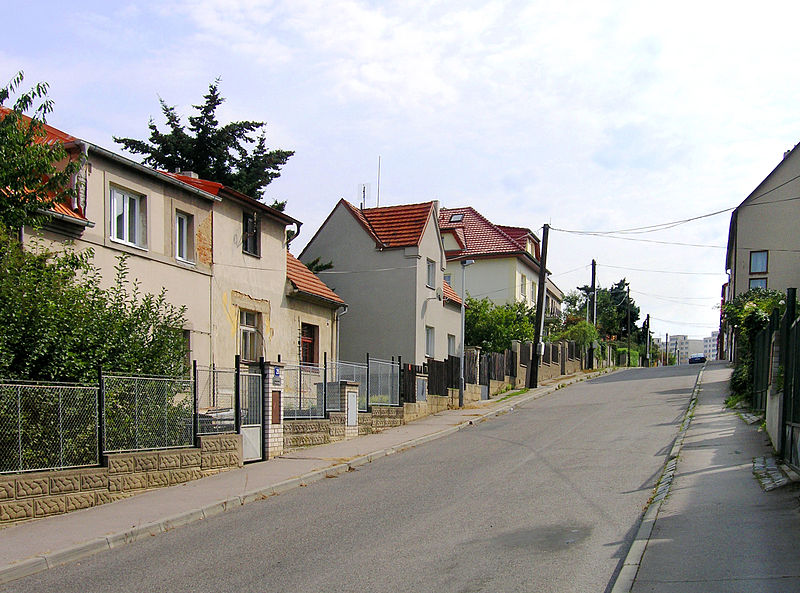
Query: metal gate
{"type": "Point", "coordinates": [251, 414]}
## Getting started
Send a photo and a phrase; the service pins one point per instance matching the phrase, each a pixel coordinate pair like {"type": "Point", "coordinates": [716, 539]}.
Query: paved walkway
{"type": "Point", "coordinates": [720, 527]}
{"type": "Point", "coordinates": [31, 547]}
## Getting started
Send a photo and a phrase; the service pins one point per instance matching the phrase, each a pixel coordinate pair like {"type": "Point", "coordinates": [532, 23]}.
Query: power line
{"type": "Point", "coordinates": [663, 271]}
{"type": "Point", "coordinates": [647, 229]}
{"type": "Point", "coordinates": [670, 243]}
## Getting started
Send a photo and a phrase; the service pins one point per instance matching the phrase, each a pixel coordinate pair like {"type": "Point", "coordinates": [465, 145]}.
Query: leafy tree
{"type": "Point", "coordinates": [582, 332]}
{"type": "Point", "coordinates": [493, 327]}
{"type": "Point", "coordinates": [58, 324]}
{"type": "Point", "coordinates": [214, 152]}
{"type": "Point", "coordinates": [34, 175]}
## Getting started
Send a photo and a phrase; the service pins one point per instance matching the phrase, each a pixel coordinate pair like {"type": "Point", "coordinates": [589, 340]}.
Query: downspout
{"type": "Point", "coordinates": [337, 317]}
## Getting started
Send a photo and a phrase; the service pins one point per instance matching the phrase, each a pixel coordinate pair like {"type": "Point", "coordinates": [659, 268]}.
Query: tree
{"type": "Point", "coordinates": [214, 152]}
{"type": "Point", "coordinates": [493, 327]}
{"type": "Point", "coordinates": [34, 174]}
{"type": "Point", "coordinates": [58, 324]}
{"type": "Point", "coordinates": [316, 266]}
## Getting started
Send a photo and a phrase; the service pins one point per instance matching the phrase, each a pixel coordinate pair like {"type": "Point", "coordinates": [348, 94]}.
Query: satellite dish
{"type": "Point", "coordinates": [439, 294]}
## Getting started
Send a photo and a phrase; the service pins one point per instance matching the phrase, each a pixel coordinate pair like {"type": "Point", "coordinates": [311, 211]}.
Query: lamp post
{"type": "Point", "coordinates": [464, 264]}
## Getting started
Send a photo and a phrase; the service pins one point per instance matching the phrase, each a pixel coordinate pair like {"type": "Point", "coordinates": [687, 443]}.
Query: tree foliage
{"type": "Point", "coordinates": [235, 154]}
{"type": "Point", "coordinates": [493, 327]}
{"type": "Point", "coordinates": [581, 332]}
{"type": "Point", "coordinates": [612, 310]}
{"type": "Point", "coordinates": [34, 175]}
{"type": "Point", "coordinates": [58, 324]}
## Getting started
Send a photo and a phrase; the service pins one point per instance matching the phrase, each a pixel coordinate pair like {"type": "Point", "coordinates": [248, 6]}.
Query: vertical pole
{"type": "Point", "coordinates": [400, 380]}
{"type": "Point", "coordinates": [628, 304]}
{"type": "Point", "coordinates": [666, 351]}
{"type": "Point", "coordinates": [265, 403]}
{"type": "Point", "coordinates": [537, 339]}
{"type": "Point", "coordinates": [368, 390]}
{"type": "Point", "coordinates": [101, 417]}
{"type": "Point", "coordinates": [593, 300]}
{"type": "Point", "coordinates": [325, 383]}
{"type": "Point", "coordinates": [463, 329]}
{"type": "Point", "coordinates": [237, 408]}
{"type": "Point", "coordinates": [195, 413]}
{"type": "Point", "coordinates": [789, 371]}
{"type": "Point", "coordinates": [647, 341]}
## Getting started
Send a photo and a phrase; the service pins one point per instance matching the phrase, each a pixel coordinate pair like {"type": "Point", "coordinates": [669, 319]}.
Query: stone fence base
{"type": "Point", "coordinates": [41, 494]}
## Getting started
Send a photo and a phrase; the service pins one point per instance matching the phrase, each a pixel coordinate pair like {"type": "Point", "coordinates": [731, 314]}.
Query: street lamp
{"type": "Point", "coordinates": [464, 264]}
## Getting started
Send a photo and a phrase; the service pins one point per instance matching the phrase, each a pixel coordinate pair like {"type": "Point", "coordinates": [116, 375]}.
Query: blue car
{"type": "Point", "coordinates": [697, 358]}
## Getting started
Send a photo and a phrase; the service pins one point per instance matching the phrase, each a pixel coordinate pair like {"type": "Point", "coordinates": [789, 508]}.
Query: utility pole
{"type": "Point", "coordinates": [647, 343]}
{"type": "Point", "coordinates": [629, 326]}
{"type": "Point", "coordinates": [538, 349]}
{"type": "Point", "coordinates": [594, 310]}
{"type": "Point", "coordinates": [666, 351]}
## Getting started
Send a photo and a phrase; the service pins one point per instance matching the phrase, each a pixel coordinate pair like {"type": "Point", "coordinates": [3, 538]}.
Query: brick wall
{"type": "Point", "coordinates": [41, 494]}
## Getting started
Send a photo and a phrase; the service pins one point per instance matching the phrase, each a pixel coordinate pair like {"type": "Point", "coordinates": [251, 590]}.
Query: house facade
{"type": "Point", "coordinates": [388, 265]}
{"type": "Point", "coordinates": [763, 245]}
{"type": "Point", "coordinates": [506, 268]}
{"type": "Point", "coordinates": [219, 253]}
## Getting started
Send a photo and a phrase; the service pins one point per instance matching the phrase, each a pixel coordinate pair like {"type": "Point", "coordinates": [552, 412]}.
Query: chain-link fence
{"type": "Point", "coordinates": [147, 412]}
{"type": "Point", "coordinates": [216, 390]}
{"type": "Point", "coordinates": [348, 371]}
{"type": "Point", "coordinates": [47, 426]}
{"type": "Point", "coordinates": [303, 391]}
{"type": "Point", "coordinates": [384, 383]}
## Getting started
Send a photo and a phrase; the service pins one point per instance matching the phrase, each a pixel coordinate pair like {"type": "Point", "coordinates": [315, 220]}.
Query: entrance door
{"type": "Point", "coordinates": [250, 398]}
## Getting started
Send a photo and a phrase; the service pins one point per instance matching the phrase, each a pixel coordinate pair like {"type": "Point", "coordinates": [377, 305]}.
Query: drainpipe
{"type": "Point", "coordinates": [338, 316]}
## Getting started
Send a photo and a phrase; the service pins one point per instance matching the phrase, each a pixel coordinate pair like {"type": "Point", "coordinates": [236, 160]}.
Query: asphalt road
{"type": "Point", "coordinates": [545, 498]}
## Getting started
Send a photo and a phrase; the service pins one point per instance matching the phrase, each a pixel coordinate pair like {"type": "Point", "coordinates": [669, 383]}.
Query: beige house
{"type": "Point", "coordinates": [506, 268]}
{"type": "Point", "coordinates": [389, 265]}
{"type": "Point", "coordinates": [763, 243]}
{"type": "Point", "coordinates": [221, 254]}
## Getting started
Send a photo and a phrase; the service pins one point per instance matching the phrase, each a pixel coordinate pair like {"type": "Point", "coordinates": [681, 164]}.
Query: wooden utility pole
{"type": "Point", "coordinates": [629, 326]}
{"type": "Point", "coordinates": [592, 305]}
{"type": "Point", "coordinates": [533, 376]}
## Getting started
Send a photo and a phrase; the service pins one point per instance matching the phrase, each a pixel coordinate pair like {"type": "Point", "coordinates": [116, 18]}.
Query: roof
{"type": "Point", "coordinates": [306, 282]}
{"type": "Point", "coordinates": [218, 189]}
{"type": "Point", "coordinates": [52, 135]}
{"type": "Point", "coordinates": [393, 226]}
{"type": "Point", "coordinates": [481, 237]}
{"type": "Point", "coordinates": [450, 294]}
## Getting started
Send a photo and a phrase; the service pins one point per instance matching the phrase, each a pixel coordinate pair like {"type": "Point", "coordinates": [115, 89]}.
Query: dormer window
{"type": "Point", "coordinates": [456, 217]}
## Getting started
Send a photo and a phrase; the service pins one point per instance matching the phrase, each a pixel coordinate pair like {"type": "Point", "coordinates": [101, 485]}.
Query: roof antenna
{"type": "Point", "coordinates": [378, 202]}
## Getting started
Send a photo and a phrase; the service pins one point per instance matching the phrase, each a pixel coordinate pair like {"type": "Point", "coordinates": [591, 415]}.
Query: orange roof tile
{"type": "Point", "coordinates": [211, 187]}
{"type": "Point", "coordinates": [52, 135]}
{"type": "Point", "coordinates": [394, 226]}
{"type": "Point", "coordinates": [480, 236]}
{"type": "Point", "coordinates": [305, 281]}
{"type": "Point", "coordinates": [450, 294]}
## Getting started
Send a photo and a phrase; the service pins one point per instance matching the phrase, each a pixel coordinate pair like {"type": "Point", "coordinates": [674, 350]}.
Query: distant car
{"type": "Point", "coordinates": [697, 358]}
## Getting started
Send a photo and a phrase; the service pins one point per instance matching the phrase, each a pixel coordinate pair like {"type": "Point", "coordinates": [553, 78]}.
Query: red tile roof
{"type": "Point", "coordinates": [481, 237]}
{"type": "Point", "coordinates": [305, 281]}
{"type": "Point", "coordinates": [451, 295]}
{"type": "Point", "coordinates": [51, 137]}
{"type": "Point", "coordinates": [394, 226]}
{"type": "Point", "coordinates": [211, 187]}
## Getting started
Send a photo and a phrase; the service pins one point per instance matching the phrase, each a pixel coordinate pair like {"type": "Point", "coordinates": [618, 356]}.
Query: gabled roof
{"type": "Point", "coordinates": [52, 135]}
{"type": "Point", "coordinates": [393, 226]}
{"type": "Point", "coordinates": [450, 294]}
{"type": "Point", "coordinates": [481, 237]}
{"type": "Point", "coordinates": [305, 282]}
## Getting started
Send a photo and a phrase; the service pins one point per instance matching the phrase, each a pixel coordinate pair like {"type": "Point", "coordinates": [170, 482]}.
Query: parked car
{"type": "Point", "coordinates": [697, 358]}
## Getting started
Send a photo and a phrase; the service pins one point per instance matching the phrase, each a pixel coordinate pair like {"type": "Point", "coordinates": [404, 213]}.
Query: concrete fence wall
{"type": "Point", "coordinates": [41, 494]}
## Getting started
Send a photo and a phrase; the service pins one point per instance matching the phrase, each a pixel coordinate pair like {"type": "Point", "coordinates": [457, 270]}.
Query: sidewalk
{"type": "Point", "coordinates": [717, 529]}
{"type": "Point", "coordinates": [31, 547]}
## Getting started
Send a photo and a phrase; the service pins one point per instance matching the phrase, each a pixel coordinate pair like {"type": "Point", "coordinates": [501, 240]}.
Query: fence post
{"type": "Point", "coordinates": [787, 358]}
{"type": "Point", "coordinates": [237, 409]}
{"type": "Point", "coordinates": [400, 384]}
{"type": "Point", "coordinates": [368, 390]}
{"type": "Point", "coordinates": [325, 385]}
{"type": "Point", "coordinates": [195, 413]}
{"type": "Point", "coordinates": [265, 408]}
{"type": "Point", "coordinates": [101, 417]}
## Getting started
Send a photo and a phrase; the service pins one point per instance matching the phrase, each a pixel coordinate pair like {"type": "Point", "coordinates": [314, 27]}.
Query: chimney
{"type": "Point", "coordinates": [191, 174]}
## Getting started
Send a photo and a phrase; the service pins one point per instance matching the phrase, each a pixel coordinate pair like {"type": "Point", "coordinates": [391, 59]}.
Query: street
{"type": "Point", "coordinates": [545, 498]}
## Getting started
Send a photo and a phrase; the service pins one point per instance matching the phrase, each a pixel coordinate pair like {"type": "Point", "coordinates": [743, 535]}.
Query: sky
{"type": "Point", "coordinates": [587, 116]}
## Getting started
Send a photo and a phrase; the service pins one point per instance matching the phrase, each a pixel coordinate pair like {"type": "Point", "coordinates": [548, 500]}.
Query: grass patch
{"type": "Point", "coordinates": [735, 401]}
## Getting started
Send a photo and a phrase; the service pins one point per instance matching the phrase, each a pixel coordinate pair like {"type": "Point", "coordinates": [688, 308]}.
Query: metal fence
{"type": "Point", "coordinates": [147, 412]}
{"type": "Point", "coordinates": [347, 371]}
{"type": "Point", "coordinates": [384, 383]}
{"type": "Point", "coordinates": [47, 426]}
{"type": "Point", "coordinates": [303, 391]}
{"type": "Point", "coordinates": [216, 390]}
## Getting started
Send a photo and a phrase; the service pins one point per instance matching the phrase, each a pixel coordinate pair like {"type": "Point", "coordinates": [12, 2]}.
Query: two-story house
{"type": "Point", "coordinates": [388, 265]}
{"type": "Point", "coordinates": [506, 268]}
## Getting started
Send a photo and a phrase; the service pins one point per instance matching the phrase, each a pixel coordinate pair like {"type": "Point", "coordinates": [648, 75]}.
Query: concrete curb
{"type": "Point", "coordinates": [44, 562]}
{"type": "Point", "coordinates": [633, 559]}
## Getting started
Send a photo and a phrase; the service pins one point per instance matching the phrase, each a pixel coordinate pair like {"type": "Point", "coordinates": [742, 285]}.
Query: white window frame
{"type": "Point", "coordinates": [183, 230]}
{"type": "Point", "coordinates": [249, 335]}
{"type": "Point", "coordinates": [431, 272]}
{"type": "Point", "coordinates": [430, 341]}
{"type": "Point", "coordinates": [133, 230]}
{"type": "Point", "coordinates": [452, 348]}
{"type": "Point", "coordinates": [523, 287]}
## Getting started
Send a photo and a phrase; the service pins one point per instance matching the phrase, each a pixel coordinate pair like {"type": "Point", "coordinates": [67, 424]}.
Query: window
{"type": "Point", "coordinates": [184, 248]}
{"type": "Point", "coordinates": [429, 341]}
{"type": "Point", "coordinates": [431, 273]}
{"type": "Point", "coordinates": [250, 234]}
{"type": "Point", "coordinates": [448, 278]}
{"type": "Point", "coordinates": [758, 262]}
{"type": "Point", "coordinates": [248, 329]}
{"type": "Point", "coordinates": [758, 282]}
{"type": "Point", "coordinates": [456, 217]}
{"type": "Point", "coordinates": [451, 345]}
{"type": "Point", "coordinates": [523, 287]}
{"type": "Point", "coordinates": [128, 218]}
{"type": "Point", "coordinates": [309, 343]}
